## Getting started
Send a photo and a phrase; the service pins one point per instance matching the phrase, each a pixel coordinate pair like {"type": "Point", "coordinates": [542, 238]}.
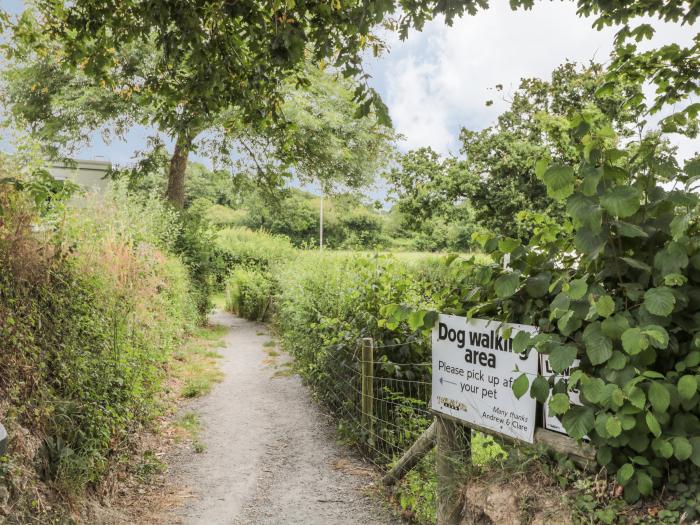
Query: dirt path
{"type": "Point", "coordinates": [270, 456]}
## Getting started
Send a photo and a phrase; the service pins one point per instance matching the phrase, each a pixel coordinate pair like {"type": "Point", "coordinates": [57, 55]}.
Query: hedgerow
{"type": "Point", "coordinates": [616, 285]}
{"type": "Point", "coordinates": [91, 306]}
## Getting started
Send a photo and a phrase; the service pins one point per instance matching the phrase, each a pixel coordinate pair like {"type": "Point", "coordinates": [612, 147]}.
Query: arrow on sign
{"type": "Point", "coordinates": [443, 380]}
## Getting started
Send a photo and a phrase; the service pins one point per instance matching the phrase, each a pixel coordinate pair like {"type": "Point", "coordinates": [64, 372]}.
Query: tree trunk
{"type": "Point", "coordinates": [176, 174]}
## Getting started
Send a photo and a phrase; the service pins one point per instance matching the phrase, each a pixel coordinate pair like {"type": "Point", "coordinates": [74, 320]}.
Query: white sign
{"type": "Point", "coordinates": [474, 368]}
{"type": "Point", "coordinates": [552, 422]}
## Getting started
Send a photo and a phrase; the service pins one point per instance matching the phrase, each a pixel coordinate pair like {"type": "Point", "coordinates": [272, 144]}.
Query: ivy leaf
{"type": "Point", "coordinates": [659, 396]}
{"type": "Point", "coordinates": [621, 201]}
{"type": "Point", "coordinates": [559, 404]}
{"type": "Point", "coordinates": [559, 181]}
{"type": "Point", "coordinates": [578, 421]}
{"type": "Point", "coordinates": [659, 301]}
{"type": "Point", "coordinates": [605, 306]}
{"type": "Point", "coordinates": [520, 386]}
{"type": "Point", "coordinates": [562, 357]}
{"type": "Point", "coordinates": [687, 386]}
{"type": "Point", "coordinates": [653, 424]}
{"type": "Point", "coordinates": [598, 345]}
{"type": "Point", "coordinates": [506, 285]}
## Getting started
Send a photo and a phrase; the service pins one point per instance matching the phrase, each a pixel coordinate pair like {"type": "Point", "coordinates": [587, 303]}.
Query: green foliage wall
{"type": "Point", "coordinates": [91, 305]}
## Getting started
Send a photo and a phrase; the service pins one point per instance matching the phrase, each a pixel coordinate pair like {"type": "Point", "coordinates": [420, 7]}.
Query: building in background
{"type": "Point", "coordinates": [89, 174]}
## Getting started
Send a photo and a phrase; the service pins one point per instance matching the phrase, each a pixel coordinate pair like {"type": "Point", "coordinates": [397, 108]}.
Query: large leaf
{"type": "Point", "coordinates": [540, 389]}
{"type": "Point", "coordinates": [687, 386]}
{"type": "Point", "coordinates": [621, 201]}
{"type": "Point", "coordinates": [659, 301]}
{"type": "Point", "coordinates": [615, 326]}
{"type": "Point", "coordinates": [562, 357]}
{"type": "Point", "coordinates": [605, 306]}
{"type": "Point", "coordinates": [559, 403]}
{"type": "Point", "coordinates": [634, 341]}
{"type": "Point", "coordinates": [625, 473]}
{"type": "Point", "coordinates": [559, 181]}
{"type": "Point", "coordinates": [659, 396]}
{"type": "Point", "coordinates": [578, 421]}
{"type": "Point", "coordinates": [520, 386]}
{"type": "Point", "coordinates": [598, 345]}
{"type": "Point", "coordinates": [507, 284]}
{"type": "Point", "coordinates": [653, 424]}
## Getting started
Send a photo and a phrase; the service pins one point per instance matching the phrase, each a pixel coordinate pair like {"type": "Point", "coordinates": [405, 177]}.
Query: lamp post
{"type": "Point", "coordinates": [320, 223]}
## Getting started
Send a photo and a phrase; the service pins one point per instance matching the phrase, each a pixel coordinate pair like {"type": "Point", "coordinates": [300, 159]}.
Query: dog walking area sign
{"type": "Point", "coordinates": [474, 368]}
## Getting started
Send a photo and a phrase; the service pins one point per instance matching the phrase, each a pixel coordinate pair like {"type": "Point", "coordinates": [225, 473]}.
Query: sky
{"type": "Point", "coordinates": [439, 79]}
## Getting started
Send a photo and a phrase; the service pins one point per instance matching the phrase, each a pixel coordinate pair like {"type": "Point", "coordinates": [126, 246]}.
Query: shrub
{"type": "Point", "coordinates": [249, 293]}
{"type": "Point", "coordinates": [241, 247]}
{"type": "Point", "coordinates": [91, 305]}
{"type": "Point", "coordinates": [615, 285]}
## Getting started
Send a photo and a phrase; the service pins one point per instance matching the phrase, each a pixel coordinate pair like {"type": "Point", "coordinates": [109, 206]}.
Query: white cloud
{"type": "Point", "coordinates": [440, 79]}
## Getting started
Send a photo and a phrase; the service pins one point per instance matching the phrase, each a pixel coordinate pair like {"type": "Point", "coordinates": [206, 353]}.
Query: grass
{"type": "Point", "coordinates": [218, 300]}
{"type": "Point", "coordinates": [190, 426]}
{"type": "Point", "coordinates": [196, 365]}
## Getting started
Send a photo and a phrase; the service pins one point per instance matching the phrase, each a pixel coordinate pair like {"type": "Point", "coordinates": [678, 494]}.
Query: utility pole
{"type": "Point", "coordinates": [320, 222]}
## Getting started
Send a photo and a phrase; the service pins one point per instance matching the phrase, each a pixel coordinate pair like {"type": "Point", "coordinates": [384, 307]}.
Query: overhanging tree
{"type": "Point", "coordinates": [217, 54]}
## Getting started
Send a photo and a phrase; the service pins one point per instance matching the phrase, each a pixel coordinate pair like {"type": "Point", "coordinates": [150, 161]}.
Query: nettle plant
{"type": "Point", "coordinates": [616, 286]}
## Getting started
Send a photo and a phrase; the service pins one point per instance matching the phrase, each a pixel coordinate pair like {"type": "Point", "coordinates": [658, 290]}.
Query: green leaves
{"type": "Point", "coordinates": [653, 424]}
{"type": "Point", "coordinates": [598, 345]}
{"type": "Point", "coordinates": [633, 341]}
{"type": "Point", "coordinates": [506, 285]}
{"type": "Point", "coordinates": [621, 201]}
{"type": "Point", "coordinates": [659, 396]}
{"type": "Point", "coordinates": [562, 357]}
{"type": "Point", "coordinates": [559, 181]}
{"type": "Point", "coordinates": [604, 306]}
{"type": "Point", "coordinates": [659, 301]}
{"type": "Point", "coordinates": [578, 421]}
{"type": "Point", "coordinates": [559, 404]}
{"type": "Point", "coordinates": [520, 386]}
{"type": "Point", "coordinates": [687, 386]}
{"type": "Point", "coordinates": [625, 473]}
{"type": "Point", "coordinates": [540, 389]}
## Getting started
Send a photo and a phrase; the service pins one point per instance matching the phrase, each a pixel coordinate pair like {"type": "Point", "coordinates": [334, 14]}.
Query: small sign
{"type": "Point", "coordinates": [474, 368]}
{"type": "Point", "coordinates": [550, 421]}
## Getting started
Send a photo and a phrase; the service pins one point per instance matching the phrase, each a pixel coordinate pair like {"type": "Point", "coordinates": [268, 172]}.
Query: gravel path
{"type": "Point", "coordinates": [271, 456]}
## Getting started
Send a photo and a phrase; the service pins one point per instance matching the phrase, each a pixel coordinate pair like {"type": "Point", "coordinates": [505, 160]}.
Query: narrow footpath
{"type": "Point", "coordinates": [270, 455]}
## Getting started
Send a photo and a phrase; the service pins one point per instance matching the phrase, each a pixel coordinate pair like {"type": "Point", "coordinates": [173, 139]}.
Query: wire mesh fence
{"type": "Point", "coordinates": [386, 415]}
